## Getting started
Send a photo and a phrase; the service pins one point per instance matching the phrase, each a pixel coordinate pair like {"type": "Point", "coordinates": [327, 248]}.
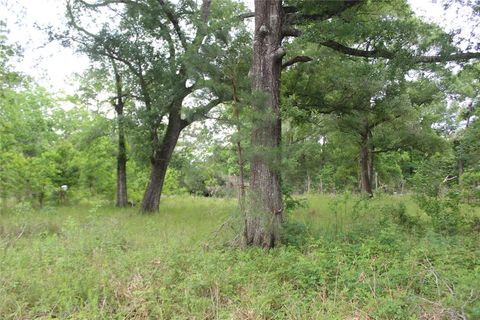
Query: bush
{"type": "Point", "coordinates": [470, 187]}
{"type": "Point", "coordinates": [444, 212]}
{"type": "Point", "coordinates": [397, 214]}
{"type": "Point", "coordinates": [294, 233]}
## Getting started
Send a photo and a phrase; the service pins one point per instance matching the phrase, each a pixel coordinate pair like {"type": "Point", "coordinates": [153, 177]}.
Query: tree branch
{"type": "Point", "coordinates": [294, 60]}
{"type": "Point", "coordinates": [201, 29]}
{"type": "Point", "coordinates": [106, 3]}
{"type": "Point", "coordinates": [289, 31]}
{"type": "Point", "coordinates": [357, 52]}
{"type": "Point", "coordinates": [380, 53]}
{"type": "Point", "coordinates": [293, 16]}
{"type": "Point", "coordinates": [174, 21]}
{"type": "Point", "coordinates": [247, 15]}
{"type": "Point", "coordinates": [201, 112]}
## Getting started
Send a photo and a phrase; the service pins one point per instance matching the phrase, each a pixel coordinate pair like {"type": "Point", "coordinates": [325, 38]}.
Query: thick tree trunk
{"type": "Point", "coordinates": [160, 161]}
{"type": "Point", "coordinates": [122, 198]}
{"type": "Point", "coordinates": [264, 214]}
{"type": "Point", "coordinates": [366, 183]}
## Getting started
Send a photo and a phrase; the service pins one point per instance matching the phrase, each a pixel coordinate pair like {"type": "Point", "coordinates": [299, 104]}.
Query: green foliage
{"type": "Point", "coordinates": [294, 233]}
{"type": "Point", "coordinates": [447, 218]}
{"type": "Point", "coordinates": [434, 174]}
{"type": "Point", "coordinates": [397, 214]}
{"type": "Point", "coordinates": [172, 183]}
{"type": "Point", "coordinates": [470, 187]}
{"type": "Point", "coordinates": [103, 263]}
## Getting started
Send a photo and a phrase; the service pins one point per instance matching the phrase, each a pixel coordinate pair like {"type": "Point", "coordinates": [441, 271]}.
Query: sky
{"type": "Point", "coordinates": [54, 66]}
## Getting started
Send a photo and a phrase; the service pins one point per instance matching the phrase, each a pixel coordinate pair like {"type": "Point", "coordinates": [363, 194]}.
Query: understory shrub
{"type": "Point", "coordinates": [445, 213]}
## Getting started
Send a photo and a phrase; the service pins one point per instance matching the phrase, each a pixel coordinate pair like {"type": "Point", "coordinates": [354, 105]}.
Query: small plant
{"type": "Point", "coordinates": [397, 213]}
{"type": "Point", "coordinates": [294, 233]}
{"type": "Point", "coordinates": [291, 203]}
{"type": "Point", "coordinates": [97, 205]}
{"type": "Point", "coordinates": [23, 208]}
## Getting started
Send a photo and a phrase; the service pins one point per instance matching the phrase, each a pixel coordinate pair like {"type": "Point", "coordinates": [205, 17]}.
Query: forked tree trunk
{"type": "Point", "coordinates": [160, 161]}
{"type": "Point", "coordinates": [264, 214]}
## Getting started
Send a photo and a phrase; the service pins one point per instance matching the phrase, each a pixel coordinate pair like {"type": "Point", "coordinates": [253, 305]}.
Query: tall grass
{"type": "Point", "coordinates": [102, 263]}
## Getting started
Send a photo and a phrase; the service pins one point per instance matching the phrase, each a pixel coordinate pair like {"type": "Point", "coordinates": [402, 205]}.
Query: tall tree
{"type": "Point", "coordinates": [119, 105]}
{"type": "Point", "coordinates": [273, 23]}
{"type": "Point", "coordinates": [105, 78]}
{"type": "Point", "coordinates": [318, 22]}
{"type": "Point", "coordinates": [264, 215]}
{"type": "Point", "coordinates": [171, 51]}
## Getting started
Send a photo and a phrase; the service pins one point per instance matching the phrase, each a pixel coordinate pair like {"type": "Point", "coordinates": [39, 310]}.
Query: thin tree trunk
{"type": "Point", "coordinates": [122, 198]}
{"type": "Point", "coordinates": [265, 213]}
{"type": "Point", "coordinates": [160, 161]}
{"type": "Point", "coordinates": [461, 168]}
{"type": "Point", "coordinates": [371, 170]}
{"type": "Point", "coordinates": [241, 164]}
{"type": "Point", "coordinates": [309, 182]}
{"type": "Point", "coordinates": [461, 162]}
{"type": "Point", "coordinates": [41, 198]}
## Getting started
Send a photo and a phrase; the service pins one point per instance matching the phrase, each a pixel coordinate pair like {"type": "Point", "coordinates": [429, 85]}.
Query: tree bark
{"type": "Point", "coordinates": [122, 197]}
{"type": "Point", "coordinates": [371, 163]}
{"type": "Point", "coordinates": [241, 163]}
{"type": "Point", "coordinates": [241, 167]}
{"type": "Point", "coordinates": [265, 212]}
{"type": "Point", "coordinates": [309, 182]}
{"type": "Point", "coordinates": [119, 104]}
{"type": "Point", "coordinates": [461, 162]}
{"type": "Point", "coordinates": [160, 160]}
{"type": "Point", "coordinates": [366, 183]}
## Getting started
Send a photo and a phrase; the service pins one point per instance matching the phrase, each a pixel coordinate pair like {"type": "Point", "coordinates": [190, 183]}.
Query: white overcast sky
{"type": "Point", "coordinates": [53, 66]}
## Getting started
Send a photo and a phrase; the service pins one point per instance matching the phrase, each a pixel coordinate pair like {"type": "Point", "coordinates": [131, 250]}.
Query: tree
{"type": "Point", "coordinates": [171, 52]}
{"type": "Point", "coordinates": [371, 103]}
{"type": "Point", "coordinates": [273, 22]}
{"type": "Point", "coordinates": [26, 132]}
{"type": "Point", "coordinates": [265, 212]}
{"type": "Point", "coordinates": [105, 78]}
{"type": "Point", "coordinates": [119, 105]}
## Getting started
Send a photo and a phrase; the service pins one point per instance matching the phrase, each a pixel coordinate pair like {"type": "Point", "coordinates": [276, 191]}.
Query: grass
{"type": "Point", "coordinates": [102, 263]}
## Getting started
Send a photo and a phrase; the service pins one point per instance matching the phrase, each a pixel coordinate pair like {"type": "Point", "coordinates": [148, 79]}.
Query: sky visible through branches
{"type": "Point", "coordinates": [53, 66]}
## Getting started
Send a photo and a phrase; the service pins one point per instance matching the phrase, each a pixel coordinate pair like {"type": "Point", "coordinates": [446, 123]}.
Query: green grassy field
{"type": "Point", "coordinates": [344, 261]}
